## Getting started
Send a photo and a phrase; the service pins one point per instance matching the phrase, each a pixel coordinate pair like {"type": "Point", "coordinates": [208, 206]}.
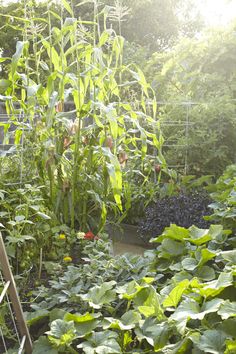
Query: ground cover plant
{"type": "Point", "coordinates": [223, 195]}
{"type": "Point", "coordinates": [177, 298]}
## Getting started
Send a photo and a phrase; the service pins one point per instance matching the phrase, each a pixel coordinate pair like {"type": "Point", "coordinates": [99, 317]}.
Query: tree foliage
{"type": "Point", "coordinates": [202, 72]}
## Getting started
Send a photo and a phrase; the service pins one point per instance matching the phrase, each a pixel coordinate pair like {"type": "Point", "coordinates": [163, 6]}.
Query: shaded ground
{"type": "Point", "coordinates": [121, 247]}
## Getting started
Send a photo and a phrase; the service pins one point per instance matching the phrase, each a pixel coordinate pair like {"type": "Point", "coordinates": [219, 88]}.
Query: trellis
{"type": "Point", "coordinates": [10, 147]}
{"type": "Point", "coordinates": [10, 295]}
{"type": "Point", "coordinates": [187, 124]}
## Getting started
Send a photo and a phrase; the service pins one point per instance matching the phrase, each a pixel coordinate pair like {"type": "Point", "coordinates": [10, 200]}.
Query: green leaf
{"type": "Point", "coordinates": [170, 248]}
{"type": "Point", "coordinates": [62, 333]}
{"type": "Point", "coordinates": [215, 287]}
{"type": "Point", "coordinates": [111, 115]}
{"type": "Point", "coordinates": [43, 346]}
{"type": "Point", "coordinates": [175, 295]}
{"type": "Point", "coordinates": [156, 334]}
{"type": "Point", "coordinates": [131, 317]}
{"type": "Point", "coordinates": [53, 55]}
{"type": "Point", "coordinates": [34, 317]}
{"type": "Point", "coordinates": [198, 236]}
{"type": "Point", "coordinates": [181, 347]}
{"type": "Point", "coordinates": [101, 343]}
{"type": "Point", "coordinates": [189, 263]}
{"type": "Point", "coordinates": [44, 65]}
{"type": "Point", "coordinates": [126, 322]}
{"type": "Point", "coordinates": [4, 84]}
{"type": "Point", "coordinates": [103, 38]}
{"type": "Point", "coordinates": [115, 175]}
{"type": "Point", "coordinates": [19, 218]}
{"type": "Point", "coordinates": [147, 301]}
{"type": "Point", "coordinates": [100, 295]}
{"type": "Point", "coordinates": [84, 324]}
{"type": "Point", "coordinates": [174, 232]}
{"type": "Point", "coordinates": [212, 341]}
{"type": "Point", "coordinates": [218, 233]}
{"type": "Point", "coordinates": [228, 327]}
{"type": "Point", "coordinates": [67, 7]}
{"type": "Point", "coordinates": [229, 256]}
{"type": "Point", "coordinates": [129, 290]}
{"type": "Point", "coordinates": [5, 98]}
{"type": "Point", "coordinates": [206, 273]}
{"type": "Point", "coordinates": [206, 255]}
{"type": "Point", "coordinates": [43, 216]}
{"type": "Point", "coordinates": [227, 309]}
{"type": "Point", "coordinates": [15, 58]}
{"type": "Point", "coordinates": [230, 347]}
{"type": "Point", "coordinates": [190, 309]}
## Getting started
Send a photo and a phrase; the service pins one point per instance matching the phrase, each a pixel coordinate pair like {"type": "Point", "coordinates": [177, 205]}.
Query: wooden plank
{"type": "Point", "coordinates": [13, 294]}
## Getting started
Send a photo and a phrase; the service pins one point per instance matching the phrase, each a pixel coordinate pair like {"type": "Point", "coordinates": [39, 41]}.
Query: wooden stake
{"type": "Point", "coordinates": [13, 295]}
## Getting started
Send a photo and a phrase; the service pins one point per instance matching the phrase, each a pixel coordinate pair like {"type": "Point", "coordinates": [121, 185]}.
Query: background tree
{"type": "Point", "coordinates": [201, 71]}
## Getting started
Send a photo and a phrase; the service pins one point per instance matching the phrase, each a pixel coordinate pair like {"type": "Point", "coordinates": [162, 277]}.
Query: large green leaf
{"type": "Point", "coordinates": [84, 324]}
{"type": "Point", "coordinates": [228, 327]}
{"type": "Point", "coordinates": [130, 290]}
{"type": "Point", "coordinates": [148, 303]}
{"type": "Point", "coordinates": [215, 287]}
{"type": "Point", "coordinates": [175, 295]}
{"type": "Point", "coordinates": [212, 341]}
{"type": "Point", "coordinates": [198, 236]}
{"type": "Point", "coordinates": [126, 322]}
{"type": "Point", "coordinates": [43, 346]}
{"type": "Point", "coordinates": [101, 343]}
{"type": "Point", "coordinates": [53, 55]}
{"type": "Point", "coordinates": [174, 232]}
{"type": "Point", "coordinates": [62, 333]}
{"type": "Point", "coordinates": [229, 256]}
{"type": "Point", "coordinates": [189, 263]}
{"type": "Point", "coordinates": [100, 295]}
{"type": "Point", "coordinates": [155, 333]}
{"type": "Point", "coordinates": [206, 255]}
{"type": "Point", "coordinates": [34, 317]}
{"type": "Point", "coordinates": [227, 309]}
{"type": "Point", "coordinates": [170, 248]}
{"type": "Point", "coordinates": [190, 309]}
{"type": "Point", "coordinates": [115, 175]}
{"type": "Point", "coordinates": [206, 273]}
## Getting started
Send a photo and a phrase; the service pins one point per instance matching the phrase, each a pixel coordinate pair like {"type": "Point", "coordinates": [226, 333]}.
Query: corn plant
{"type": "Point", "coordinates": [97, 116]}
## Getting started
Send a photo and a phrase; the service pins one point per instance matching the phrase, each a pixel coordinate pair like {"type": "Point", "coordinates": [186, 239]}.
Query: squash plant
{"type": "Point", "coordinates": [223, 193]}
{"type": "Point", "coordinates": [177, 298]}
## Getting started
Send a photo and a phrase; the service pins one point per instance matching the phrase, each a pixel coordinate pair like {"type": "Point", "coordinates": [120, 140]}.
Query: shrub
{"type": "Point", "coordinates": [182, 209]}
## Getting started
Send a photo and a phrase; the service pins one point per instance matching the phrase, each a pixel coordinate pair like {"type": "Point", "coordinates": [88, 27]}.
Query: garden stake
{"type": "Point", "coordinates": [7, 273]}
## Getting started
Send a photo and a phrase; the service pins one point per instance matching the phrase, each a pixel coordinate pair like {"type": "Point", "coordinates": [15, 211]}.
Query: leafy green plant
{"type": "Point", "coordinates": [180, 297]}
{"type": "Point", "coordinates": [223, 194]}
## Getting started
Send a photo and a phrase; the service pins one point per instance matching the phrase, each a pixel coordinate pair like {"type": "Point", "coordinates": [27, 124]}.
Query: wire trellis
{"type": "Point", "coordinates": [10, 125]}
{"type": "Point", "coordinates": [185, 125]}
